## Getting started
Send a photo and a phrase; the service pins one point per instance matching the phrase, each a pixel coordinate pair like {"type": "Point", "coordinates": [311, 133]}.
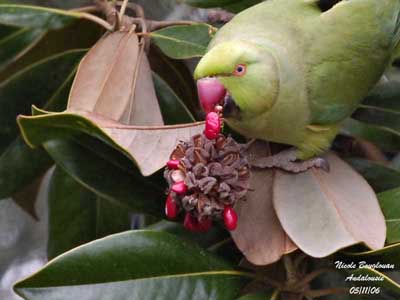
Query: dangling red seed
{"type": "Point", "coordinates": [230, 218]}
{"type": "Point", "coordinates": [179, 188]}
{"type": "Point", "coordinates": [171, 208]}
{"type": "Point", "coordinates": [192, 224]}
{"type": "Point", "coordinates": [189, 222]}
{"type": "Point", "coordinates": [205, 225]}
{"type": "Point", "coordinates": [173, 164]}
{"type": "Point", "coordinates": [213, 125]}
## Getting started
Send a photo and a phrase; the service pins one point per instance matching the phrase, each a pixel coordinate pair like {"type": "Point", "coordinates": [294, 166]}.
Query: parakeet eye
{"type": "Point", "coordinates": [240, 70]}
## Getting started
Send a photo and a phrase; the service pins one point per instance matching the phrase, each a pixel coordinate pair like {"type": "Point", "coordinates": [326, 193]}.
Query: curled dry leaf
{"type": "Point", "coordinates": [113, 89]}
{"type": "Point", "coordinates": [114, 80]}
{"type": "Point", "coordinates": [324, 212]}
{"type": "Point", "coordinates": [259, 234]}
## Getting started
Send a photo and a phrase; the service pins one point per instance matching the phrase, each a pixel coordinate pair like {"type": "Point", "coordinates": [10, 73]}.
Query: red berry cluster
{"type": "Point", "coordinates": [212, 131]}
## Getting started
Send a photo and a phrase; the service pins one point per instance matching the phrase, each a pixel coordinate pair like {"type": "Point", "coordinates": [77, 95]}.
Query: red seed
{"type": "Point", "coordinates": [179, 187]}
{"type": "Point", "coordinates": [213, 125]}
{"type": "Point", "coordinates": [192, 224]}
{"type": "Point", "coordinates": [230, 218]}
{"type": "Point", "coordinates": [205, 225]}
{"type": "Point", "coordinates": [173, 164]}
{"type": "Point", "coordinates": [171, 208]}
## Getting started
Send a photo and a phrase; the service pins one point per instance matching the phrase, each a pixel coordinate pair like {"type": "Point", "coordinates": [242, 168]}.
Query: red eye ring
{"type": "Point", "coordinates": [240, 70]}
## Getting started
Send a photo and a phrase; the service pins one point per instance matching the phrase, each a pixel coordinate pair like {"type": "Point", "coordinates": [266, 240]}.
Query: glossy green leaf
{"type": "Point", "coordinates": [7, 30]}
{"type": "Point", "coordinates": [387, 283]}
{"type": "Point", "coordinates": [172, 108]}
{"type": "Point", "coordinates": [388, 257]}
{"type": "Point", "coordinates": [207, 239]}
{"type": "Point", "coordinates": [80, 35]}
{"type": "Point", "coordinates": [36, 16]}
{"type": "Point", "coordinates": [380, 116]}
{"type": "Point", "coordinates": [384, 137]}
{"type": "Point", "coordinates": [238, 6]}
{"type": "Point", "coordinates": [210, 3]}
{"type": "Point", "coordinates": [71, 214]}
{"type": "Point", "coordinates": [178, 76]}
{"type": "Point", "coordinates": [103, 173]}
{"type": "Point", "coordinates": [380, 177]}
{"type": "Point", "coordinates": [19, 166]}
{"type": "Point", "coordinates": [33, 85]}
{"type": "Point", "coordinates": [390, 204]}
{"type": "Point", "coordinates": [15, 45]}
{"type": "Point", "coordinates": [135, 265]}
{"type": "Point", "coordinates": [385, 95]}
{"type": "Point", "coordinates": [111, 218]}
{"type": "Point", "coordinates": [59, 100]}
{"type": "Point", "coordinates": [382, 108]}
{"type": "Point", "coordinates": [184, 41]}
{"type": "Point", "coordinates": [88, 216]}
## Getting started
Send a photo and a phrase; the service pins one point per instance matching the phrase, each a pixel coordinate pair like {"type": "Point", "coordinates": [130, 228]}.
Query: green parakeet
{"type": "Point", "coordinates": [290, 71]}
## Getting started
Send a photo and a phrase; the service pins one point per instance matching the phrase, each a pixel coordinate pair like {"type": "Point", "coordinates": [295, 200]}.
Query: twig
{"type": "Point", "coordinates": [122, 10]}
{"type": "Point", "coordinates": [88, 9]}
{"type": "Point", "coordinates": [371, 151]}
{"type": "Point", "coordinates": [153, 25]}
{"type": "Point", "coordinates": [272, 282]}
{"type": "Point", "coordinates": [290, 270]}
{"type": "Point", "coordinates": [97, 20]}
{"type": "Point", "coordinates": [109, 11]}
{"type": "Point", "coordinates": [325, 292]}
{"type": "Point", "coordinates": [136, 8]}
{"type": "Point", "coordinates": [275, 295]}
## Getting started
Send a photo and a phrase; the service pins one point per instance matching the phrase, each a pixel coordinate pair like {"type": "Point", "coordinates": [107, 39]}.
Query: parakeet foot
{"type": "Point", "coordinates": [287, 160]}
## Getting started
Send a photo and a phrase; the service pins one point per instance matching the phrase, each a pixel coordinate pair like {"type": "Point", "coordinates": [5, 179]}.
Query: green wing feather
{"type": "Point", "coordinates": [368, 31]}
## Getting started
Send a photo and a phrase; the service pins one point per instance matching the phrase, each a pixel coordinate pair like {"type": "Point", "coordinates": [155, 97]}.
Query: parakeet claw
{"type": "Point", "coordinates": [287, 160]}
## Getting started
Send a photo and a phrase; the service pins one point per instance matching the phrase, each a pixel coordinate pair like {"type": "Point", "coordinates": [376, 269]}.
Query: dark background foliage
{"type": "Point", "coordinates": [79, 189]}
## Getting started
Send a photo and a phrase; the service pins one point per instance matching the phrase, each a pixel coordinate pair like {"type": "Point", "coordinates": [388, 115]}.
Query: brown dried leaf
{"type": "Point", "coordinates": [113, 90]}
{"type": "Point", "coordinates": [259, 234]}
{"type": "Point", "coordinates": [114, 80]}
{"type": "Point", "coordinates": [324, 212]}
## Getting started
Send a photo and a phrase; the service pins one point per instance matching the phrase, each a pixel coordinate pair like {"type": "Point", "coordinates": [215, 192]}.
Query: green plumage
{"type": "Point", "coordinates": [307, 70]}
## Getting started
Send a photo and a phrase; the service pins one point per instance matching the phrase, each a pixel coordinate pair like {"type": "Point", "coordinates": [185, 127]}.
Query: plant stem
{"type": "Point", "coordinates": [290, 270]}
{"type": "Point", "coordinates": [122, 10]}
{"type": "Point", "coordinates": [88, 9]}
{"type": "Point", "coordinates": [272, 282]}
{"type": "Point", "coordinates": [275, 295]}
{"type": "Point", "coordinates": [153, 25]}
{"type": "Point", "coordinates": [97, 20]}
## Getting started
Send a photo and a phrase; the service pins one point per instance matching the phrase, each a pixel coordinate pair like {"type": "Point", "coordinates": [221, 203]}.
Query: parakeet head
{"type": "Point", "coordinates": [239, 75]}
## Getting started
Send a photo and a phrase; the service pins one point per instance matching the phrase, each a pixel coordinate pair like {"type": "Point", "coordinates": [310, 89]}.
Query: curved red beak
{"type": "Point", "coordinates": [211, 93]}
